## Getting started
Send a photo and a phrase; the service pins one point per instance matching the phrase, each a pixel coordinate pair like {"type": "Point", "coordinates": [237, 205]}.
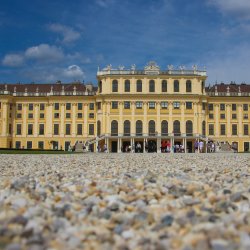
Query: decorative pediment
{"type": "Point", "coordinates": [152, 68]}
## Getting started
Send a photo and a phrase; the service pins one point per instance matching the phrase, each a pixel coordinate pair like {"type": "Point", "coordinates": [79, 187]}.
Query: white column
{"type": "Point", "coordinates": [49, 118]}
{"type": "Point", "coordinates": [133, 118]}
{"type": "Point", "coordinates": [158, 145]}
{"type": "Point", "coordinates": [240, 120]}
{"type": "Point", "coordinates": [183, 127]}
{"type": "Point", "coordinates": [73, 133]}
{"type": "Point", "coordinates": [170, 121]}
{"type": "Point", "coordinates": [5, 118]}
{"type": "Point", "coordinates": [120, 122]}
{"type": "Point", "coordinates": [145, 122]}
{"type": "Point", "coordinates": [36, 125]}
{"type": "Point", "coordinates": [62, 120]}
{"type": "Point", "coordinates": [85, 120]}
{"type": "Point", "coordinates": [158, 118]}
{"type": "Point", "coordinates": [216, 118]}
{"type": "Point", "coordinates": [24, 123]}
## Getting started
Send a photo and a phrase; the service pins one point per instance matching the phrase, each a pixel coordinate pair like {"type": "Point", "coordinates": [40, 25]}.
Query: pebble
{"type": "Point", "coordinates": [121, 201]}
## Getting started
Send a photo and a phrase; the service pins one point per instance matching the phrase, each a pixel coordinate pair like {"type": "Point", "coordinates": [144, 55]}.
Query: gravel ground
{"type": "Point", "coordinates": [125, 201]}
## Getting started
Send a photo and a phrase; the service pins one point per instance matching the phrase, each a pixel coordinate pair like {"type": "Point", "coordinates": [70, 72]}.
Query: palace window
{"type": "Point", "coordinates": [41, 129]}
{"type": "Point", "coordinates": [79, 129]}
{"type": "Point", "coordinates": [223, 129]}
{"type": "Point", "coordinates": [204, 128]}
{"type": "Point", "coordinates": [188, 86]}
{"type": "Point", "coordinates": [30, 106]}
{"type": "Point", "coordinates": [203, 106]}
{"type": "Point", "coordinates": [234, 116]}
{"type": "Point", "coordinates": [164, 128]}
{"type": "Point", "coordinates": [245, 107]}
{"type": "Point", "coordinates": [29, 144]}
{"type": "Point", "coordinates": [126, 128]}
{"type": "Point", "coordinates": [245, 128]}
{"type": "Point", "coordinates": [56, 106]}
{"type": "Point", "coordinates": [19, 106]}
{"type": "Point", "coordinates": [19, 115]}
{"type": "Point", "coordinates": [189, 128]}
{"type": "Point", "coordinates": [138, 86]}
{"type": "Point", "coordinates": [79, 106]}
{"type": "Point", "coordinates": [151, 86]}
{"type": "Point", "coordinates": [114, 128]}
{"type": "Point", "coordinates": [79, 115]}
{"type": "Point", "coordinates": [164, 105]}
{"type": "Point", "coordinates": [91, 106]}
{"type": "Point", "coordinates": [176, 86]}
{"type": "Point", "coordinates": [211, 129]}
{"type": "Point", "coordinates": [30, 116]}
{"type": "Point", "coordinates": [211, 116]}
{"type": "Point", "coordinates": [127, 86]}
{"type": "Point", "coordinates": [18, 144]}
{"type": "Point", "coordinates": [138, 127]}
{"type": "Point", "coordinates": [100, 86]}
{"type": "Point", "coordinates": [138, 105]}
{"type": "Point", "coordinates": [30, 129]}
{"type": "Point", "coordinates": [19, 129]}
{"type": "Point", "coordinates": [222, 106]}
{"type": "Point", "coordinates": [91, 129]}
{"type": "Point", "coordinates": [151, 127]}
{"type": "Point", "coordinates": [245, 116]}
{"type": "Point", "coordinates": [68, 129]}
{"type": "Point", "coordinates": [42, 106]}
{"type": "Point", "coordinates": [222, 116]}
{"type": "Point", "coordinates": [177, 127]}
{"type": "Point", "coordinates": [68, 106]}
{"type": "Point", "coordinates": [114, 86]}
{"type": "Point", "coordinates": [68, 115]}
{"type": "Point", "coordinates": [56, 129]}
{"type": "Point", "coordinates": [56, 115]}
{"type": "Point", "coordinates": [210, 106]}
{"type": "Point", "coordinates": [151, 105]}
{"type": "Point", "coordinates": [164, 86]}
{"type": "Point", "coordinates": [176, 105]}
{"type": "Point", "coordinates": [234, 107]}
{"type": "Point", "coordinates": [98, 128]}
{"type": "Point", "coordinates": [41, 145]}
{"type": "Point", "coordinates": [189, 105]}
{"type": "Point", "coordinates": [126, 105]}
{"type": "Point", "coordinates": [91, 115]}
{"type": "Point", "coordinates": [234, 129]}
{"type": "Point", "coordinates": [99, 105]}
{"type": "Point", "coordinates": [114, 105]}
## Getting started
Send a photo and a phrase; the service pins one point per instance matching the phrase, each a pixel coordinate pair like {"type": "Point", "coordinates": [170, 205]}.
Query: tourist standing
{"type": "Point", "coordinates": [201, 145]}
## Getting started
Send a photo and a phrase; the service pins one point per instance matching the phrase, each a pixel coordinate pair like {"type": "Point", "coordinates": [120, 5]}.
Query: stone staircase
{"type": "Point", "coordinates": [82, 147]}
{"type": "Point", "coordinates": [222, 147]}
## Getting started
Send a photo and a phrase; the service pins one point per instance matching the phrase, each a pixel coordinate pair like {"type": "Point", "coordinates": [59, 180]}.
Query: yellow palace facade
{"type": "Point", "coordinates": [129, 107]}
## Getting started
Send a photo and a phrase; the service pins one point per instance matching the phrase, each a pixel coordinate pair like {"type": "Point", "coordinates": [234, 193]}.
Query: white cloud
{"type": "Point", "coordinates": [230, 65]}
{"type": "Point", "coordinates": [68, 33]}
{"type": "Point", "coordinates": [104, 3]}
{"type": "Point", "coordinates": [44, 52]}
{"type": "Point", "coordinates": [13, 60]}
{"type": "Point", "coordinates": [73, 72]}
{"type": "Point", "coordinates": [239, 8]}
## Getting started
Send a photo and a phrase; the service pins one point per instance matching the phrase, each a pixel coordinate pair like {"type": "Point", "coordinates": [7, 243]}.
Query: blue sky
{"type": "Point", "coordinates": [45, 41]}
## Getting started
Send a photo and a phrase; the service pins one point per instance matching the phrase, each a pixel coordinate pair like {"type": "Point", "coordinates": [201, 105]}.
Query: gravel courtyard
{"type": "Point", "coordinates": [125, 201]}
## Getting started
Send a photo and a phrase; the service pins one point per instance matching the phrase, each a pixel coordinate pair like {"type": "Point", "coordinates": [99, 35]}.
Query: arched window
{"type": "Point", "coordinates": [151, 86]}
{"type": "Point", "coordinates": [189, 128]}
{"type": "Point", "coordinates": [151, 127]}
{"type": "Point", "coordinates": [164, 86]}
{"type": "Point", "coordinates": [98, 128]}
{"type": "Point", "coordinates": [100, 86]}
{"type": "Point", "coordinates": [177, 127]}
{"type": "Point", "coordinates": [176, 86]}
{"type": "Point", "coordinates": [114, 128]}
{"type": "Point", "coordinates": [139, 86]}
{"type": "Point", "coordinates": [114, 86]}
{"type": "Point", "coordinates": [138, 127]}
{"type": "Point", "coordinates": [164, 128]}
{"type": "Point", "coordinates": [127, 86]}
{"type": "Point", "coordinates": [188, 86]}
{"type": "Point", "coordinates": [203, 128]}
{"type": "Point", "coordinates": [126, 128]}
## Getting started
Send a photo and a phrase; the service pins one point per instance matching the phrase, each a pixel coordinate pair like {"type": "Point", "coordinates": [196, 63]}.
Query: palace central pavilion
{"type": "Point", "coordinates": [128, 107]}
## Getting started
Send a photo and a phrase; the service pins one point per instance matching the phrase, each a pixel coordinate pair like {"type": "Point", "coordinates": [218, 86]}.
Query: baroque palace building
{"type": "Point", "coordinates": [128, 107]}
